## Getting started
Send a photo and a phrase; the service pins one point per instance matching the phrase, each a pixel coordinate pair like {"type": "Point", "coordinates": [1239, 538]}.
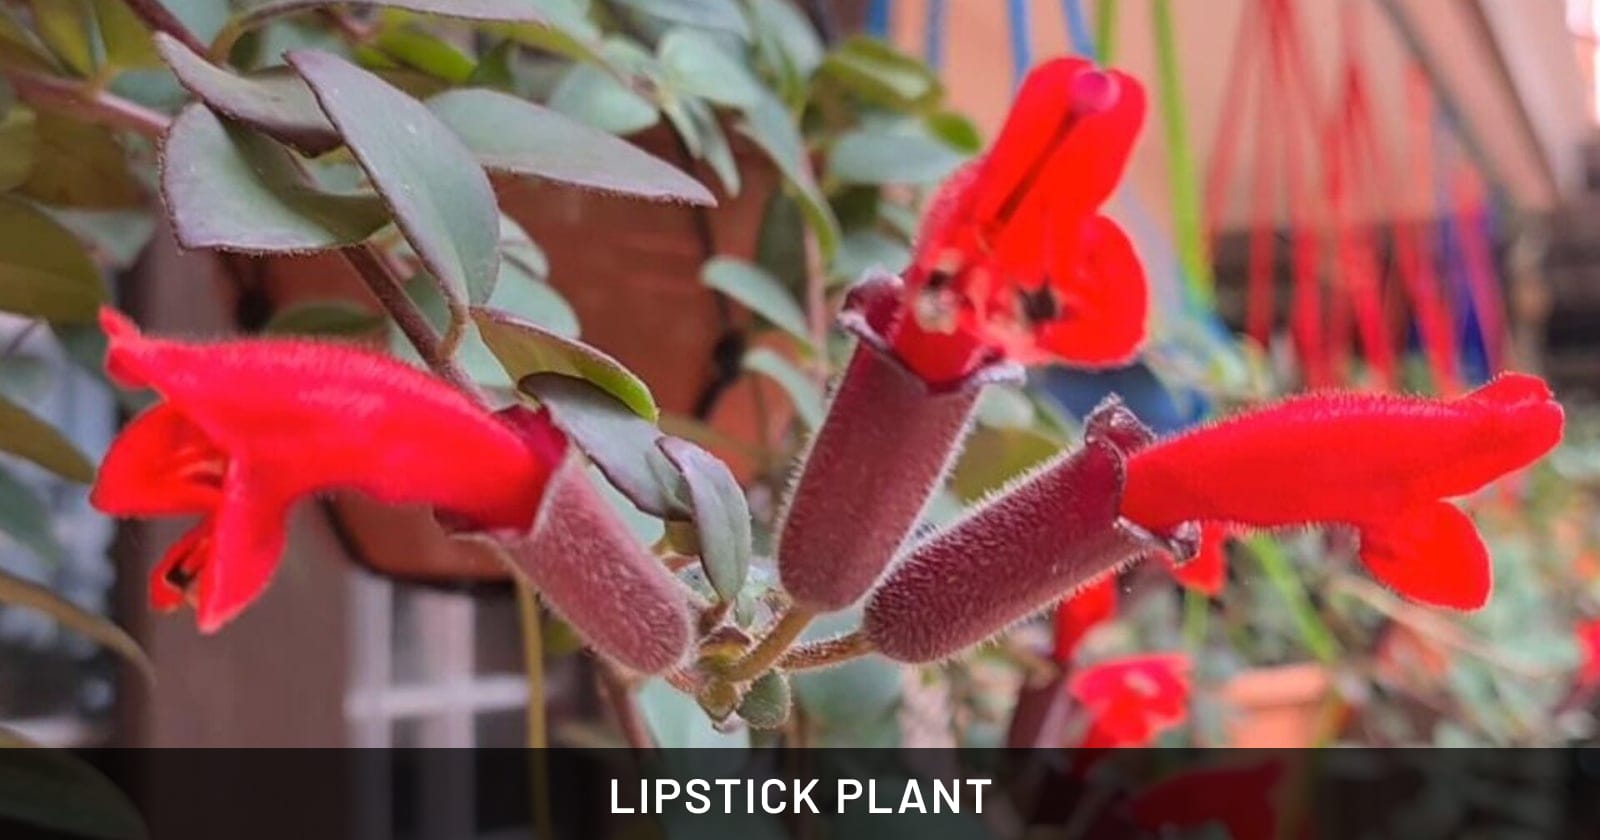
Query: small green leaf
{"type": "Point", "coordinates": [956, 131]}
{"type": "Point", "coordinates": [759, 292]}
{"type": "Point", "coordinates": [57, 791]}
{"type": "Point", "coordinates": [26, 436]}
{"type": "Point", "coordinates": [702, 132]}
{"type": "Point", "coordinates": [78, 164]}
{"type": "Point", "coordinates": [524, 11]}
{"type": "Point", "coordinates": [437, 192]}
{"type": "Point", "coordinates": [324, 318]}
{"type": "Point", "coordinates": [619, 442]}
{"type": "Point", "coordinates": [722, 15]}
{"type": "Point", "coordinates": [592, 96]}
{"type": "Point", "coordinates": [790, 34]}
{"type": "Point", "coordinates": [525, 349]}
{"type": "Point", "coordinates": [852, 697]}
{"type": "Point", "coordinates": [803, 393]}
{"type": "Point", "coordinates": [721, 516]}
{"type": "Point", "coordinates": [276, 102]}
{"type": "Point", "coordinates": [878, 73]}
{"type": "Point", "coordinates": [697, 64]}
{"type": "Point", "coordinates": [771, 127]}
{"type": "Point", "coordinates": [17, 592]}
{"type": "Point", "coordinates": [523, 289]}
{"type": "Point", "coordinates": [44, 271]}
{"type": "Point", "coordinates": [66, 27]}
{"type": "Point", "coordinates": [565, 31]}
{"type": "Point", "coordinates": [19, 48]}
{"type": "Point", "coordinates": [865, 250]}
{"type": "Point", "coordinates": [229, 188]}
{"type": "Point", "coordinates": [126, 40]}
{"type": "Point", "coordinates": [518, 137]}
{"type": "Point", "coordinates": [879, 156]}
{"type": "Point", "coordinates": [27, 520]}
{"type": "Point", "coordinates": [425, 52]}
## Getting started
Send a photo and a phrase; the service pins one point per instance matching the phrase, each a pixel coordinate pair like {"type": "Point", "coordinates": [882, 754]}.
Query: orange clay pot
{"type": "Point", "coordinates": [1286, 706]}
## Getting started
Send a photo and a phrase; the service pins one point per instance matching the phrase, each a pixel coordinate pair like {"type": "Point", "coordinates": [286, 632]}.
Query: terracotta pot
{"type": "Point", "coordinates": [1281, 707]}
{"type": "Point", "coordinates": [631, 270]}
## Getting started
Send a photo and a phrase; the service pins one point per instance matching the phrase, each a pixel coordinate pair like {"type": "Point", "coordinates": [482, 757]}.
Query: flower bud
{"type": "Point", "coordinates": [766, 702]}
{"type": "Point", "coordinates": [1054, 533]}
{"type": "Point", "coordinates": [595, 574]}
{"type": "Point", "coordinates": [885, 445]}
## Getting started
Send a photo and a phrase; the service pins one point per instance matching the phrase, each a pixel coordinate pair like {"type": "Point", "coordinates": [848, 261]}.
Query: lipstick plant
{"type": "Point", "coordinates": [760, 590]}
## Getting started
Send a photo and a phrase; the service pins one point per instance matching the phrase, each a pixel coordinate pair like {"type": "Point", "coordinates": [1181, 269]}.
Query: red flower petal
{"type": "Point", "coordinates": [1588, 634]}
{"type": "Point", "coordinates": [1132, 700]}
{"type": "Point", "coordinates": [1102, 291]}
{"type": "Point", "coordinates": [1431, 554]}
{"type": "Point", "coordinates": [160, 465]}
{"type": "Point", "coordinates": [1077, 614]}
{"type": "Point", "coordinates": [246, 541]}
{"type": "Point", "coordinates": [1240, 799]}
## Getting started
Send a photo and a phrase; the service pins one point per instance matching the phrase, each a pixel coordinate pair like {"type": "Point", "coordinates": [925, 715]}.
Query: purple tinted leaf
{"type": "Point", "coordinates": [721, 515]}
{"type": "Point", "coordinates": [524, 348]}
{"type": "Point", "coordinates": [276, 103]}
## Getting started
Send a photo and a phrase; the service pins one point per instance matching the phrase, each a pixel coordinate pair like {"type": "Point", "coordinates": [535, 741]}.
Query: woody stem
{"type": "Point", "coordinates": [772, 647]}
{"type": "Point", "coordinates": [385, 286]}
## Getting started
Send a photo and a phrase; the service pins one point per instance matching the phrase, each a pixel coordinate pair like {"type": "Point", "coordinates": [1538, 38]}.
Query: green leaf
{"type": "Point", "coordinates": [721, 516]}
{"type": "Point", "coordinates": [66, 27]}
{"type": "Point", "coordinates": [57, 791]}
{"type": "Point", "coordinates": [44, 271]}
{"type": "Point", "coordinates": [126, 40]}
{"type": "Point", "coordinates": [770, 126]}
{"type": "Point", "coordinates": [865, 250]}
{"type": "Point", "coordinates": [697, 64]}
{"type": "Point", "coordinates": [803, 394]}
{"type": "Point", "coordinates": [525, 11]}
{"type": "Point", "coordinates": [525, 349]}
{"type": "Point", "coordinates": [26, 436]}
{"type": "Point", "coordinates": [722, 15]}
{"type": "Point", "coordinates": [788, 32]}
{"type": "Point", "coordinates": [518, 137]}
{"type": "Point", "coordinates": [592, 96]}
{"type": "Point", "coordinates": [426, 52]}
{"type": "Point", "coordinates": [21, 593]}
{"type": "Point", "coordinates": [677, 721]}
{"type": "Point", "coordinates": [436, 191]}
{"type": "Point", "coordinates": [759, 292]}
{"type": "Point", "coordinates": [27, 520]}
{"type": "Point", "coordinates": [702, 132]}
{"type": "Point", "coordinates": [881, 75]}
{"type": "Point", "coordinates": [565, 31]}
{"type": "Point", "coordinates": [19, 48]}
{"type": "Point", "coordinates": [851, 698]}
{"type": "Point", "coordinates": [621, 444]}
{"type": "Point", "coordinates": [956, 131]}
{"type": "Point", "coordinates": [277, 102]}
{"type": "Point", "coordinates": [878, 156]}
{"type": "Point", "coordinates": [324, 318]}
{"type": "Point", "coordinates": [523, 289]}
{"type": "Point", "coordinates": [994, 457]}
{"type": "Point", "coordinates": [78, 164]}
{"type": "Point", "coordinates": [227, 187]}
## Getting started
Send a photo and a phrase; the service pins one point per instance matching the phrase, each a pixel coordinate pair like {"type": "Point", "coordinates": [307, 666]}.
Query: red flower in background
{"type": "Point", "coordinates": [1588, 634]}
{"type": "Point", "coordinates": [1131, 701]}
{"type": "Point", "coordinates": [1383, 464]}
{"type": "Point", "coordinates": [1239, 799]}
{"type": "Point", "coordinates": [248, 427]}
{"type": "Point", "coordinates": [1013, 258]}
{"type": "Point", "coordinates": [1079, 613]}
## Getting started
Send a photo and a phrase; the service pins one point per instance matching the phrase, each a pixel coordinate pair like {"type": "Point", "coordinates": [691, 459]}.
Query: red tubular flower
{"type": "Point", "coordinates": [1076, 615]}
{"type": "Point", "coordinates": [1242, 800]}
{"type": "Point", "coordinates": [1131, 701]}
{"type": "Point", "coordinates": [1013, 259]}
{"type": "Point", "coordinates": [590, 569]}
{"type": "Point", "coordinates": [1382, 464]}
{"type": "Point", "coordinates": [246, 428]}
{"type": "Point", "coordinates": [1588, 634]}
{"type": "Point", "coordinates": [1053, 533]}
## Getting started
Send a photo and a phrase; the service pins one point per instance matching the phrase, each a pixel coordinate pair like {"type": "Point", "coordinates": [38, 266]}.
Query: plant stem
{"type": "Point", "coordinates": [385, 286]}
{"type": "Point", "coordinates": [623, 706]}
{"type": "Point", "coordinates": [538, 729]}
{"type": "Point", "coordinates": [84, 102]}
{"type": "Point", "coordinates": [772, 647]}
{"type": "Point", "coordinates": [827, 654]}
{"type": "Point", "coordinates": [817, 308]}
{"type": "Point", "coordinates": [160, 19]}
{"type": "Point", "coordinates": [1318, 639]}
